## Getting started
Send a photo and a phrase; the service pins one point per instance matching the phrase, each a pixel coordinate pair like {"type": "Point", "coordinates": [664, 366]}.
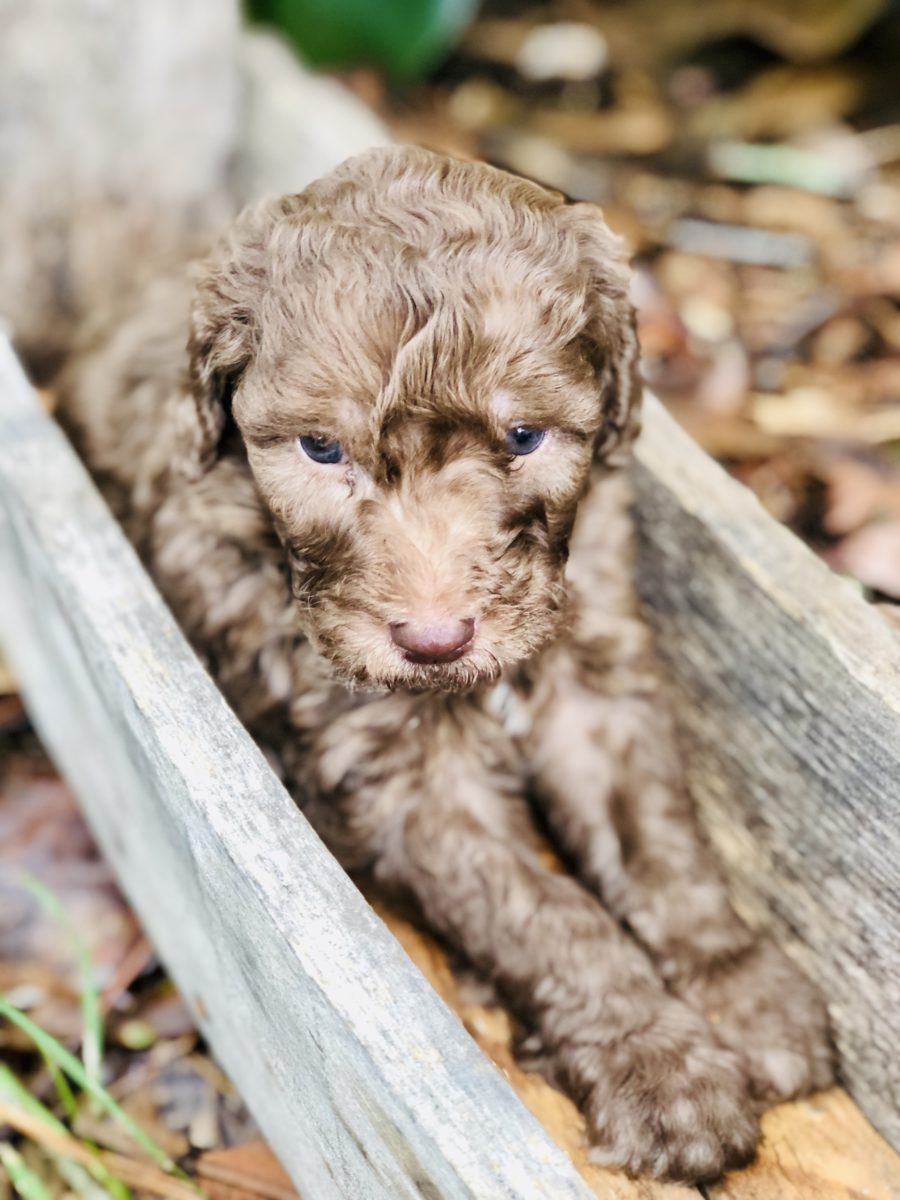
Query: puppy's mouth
{"type": "Point", "coordinates": [440, 659]}
{"type": "Point", "coordinates": [458, 668]}
{"type": "Point", "coordinates": [462, 675]}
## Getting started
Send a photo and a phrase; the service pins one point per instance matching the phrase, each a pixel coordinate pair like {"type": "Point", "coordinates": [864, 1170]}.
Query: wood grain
{"type": "Point", "coordinates": [788, 690]}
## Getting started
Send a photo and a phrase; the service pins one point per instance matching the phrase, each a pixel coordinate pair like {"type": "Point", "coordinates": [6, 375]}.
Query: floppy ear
{"type": "Point", "coordinates": [225, 316]}
{"type": "Point", "coordinates": [610, 332]}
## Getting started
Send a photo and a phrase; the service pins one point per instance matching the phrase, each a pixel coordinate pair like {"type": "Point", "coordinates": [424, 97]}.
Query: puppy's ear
{"type": "Point", "coordinates": [610, 332]}
{"type": "Point", "coordinates": [225, 316]}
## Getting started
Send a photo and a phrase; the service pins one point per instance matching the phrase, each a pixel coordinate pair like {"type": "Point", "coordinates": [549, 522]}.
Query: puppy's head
{"type": "Point", "coordinates": [424, 358]}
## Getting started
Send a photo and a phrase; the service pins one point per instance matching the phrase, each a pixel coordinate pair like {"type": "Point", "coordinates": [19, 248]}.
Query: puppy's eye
{"type": "Point", "coordinates": [522, 439]}
{"type": "Point", "coordinates": [321, 450]}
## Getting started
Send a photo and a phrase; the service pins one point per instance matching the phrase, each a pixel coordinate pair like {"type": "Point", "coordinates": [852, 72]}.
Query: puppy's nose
{"type": "Point", "coordinates": [433, 641]}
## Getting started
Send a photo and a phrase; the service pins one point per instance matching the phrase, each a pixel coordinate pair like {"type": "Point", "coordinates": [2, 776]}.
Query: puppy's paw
{"type": "Point", "coordinates": [665, 1099]}
{"type": "Point", "coordinates": [763, 1007]}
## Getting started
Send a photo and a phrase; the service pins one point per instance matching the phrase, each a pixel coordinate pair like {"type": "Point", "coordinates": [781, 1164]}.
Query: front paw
{"type": "Point", "coordinates": [762, 1006]}
{"type": "Point", "coordinates": [663, 1098]}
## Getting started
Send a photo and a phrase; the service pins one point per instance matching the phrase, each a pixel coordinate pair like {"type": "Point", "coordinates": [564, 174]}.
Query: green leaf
{"type": "Point", "coordinates": [403, 37]}
{"type": "Point", "coordinates": [61, 1086]}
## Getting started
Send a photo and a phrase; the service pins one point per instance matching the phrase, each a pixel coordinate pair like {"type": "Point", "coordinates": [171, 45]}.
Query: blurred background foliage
{"type": "Point", "coordinates": [406, 38]}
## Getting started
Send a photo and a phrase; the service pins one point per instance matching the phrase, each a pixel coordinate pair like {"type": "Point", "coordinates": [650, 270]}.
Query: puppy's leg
{"type": "Point", "coordinates": [433, 802]}
{"type": "Point", "coordinates": [607, 772]}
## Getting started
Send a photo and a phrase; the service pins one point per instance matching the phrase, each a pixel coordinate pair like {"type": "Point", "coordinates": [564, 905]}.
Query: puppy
{"type": "Point", "coordinates": [381, 490]}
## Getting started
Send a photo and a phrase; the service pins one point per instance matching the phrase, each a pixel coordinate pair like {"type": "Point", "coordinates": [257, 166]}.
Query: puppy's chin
{"type": "Point", "coordinates": [392, 673]}
{"type": "Point", "coordinates": [385, 669]}
{"type": "Point", "coordinates": [374, 664]}
{"type": "Point", "coordinates": [471, 671]}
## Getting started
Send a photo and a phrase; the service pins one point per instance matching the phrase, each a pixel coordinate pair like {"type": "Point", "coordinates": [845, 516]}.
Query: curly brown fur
{"type": "Point", "coordinates": [414, 310]}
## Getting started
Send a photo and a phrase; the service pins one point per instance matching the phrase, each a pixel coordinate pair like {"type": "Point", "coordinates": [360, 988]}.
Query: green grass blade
{"type": "Point", "coordinates": [29, 1185]}
{"type": "Point", "coordinates": [18, 1094]}
{"type": "Point", "coordinates": [91, 1013]}
{"type": "Point", "coordinates": [62, 1089]}
{"type": "Point", "coordinates": [75, 1069]}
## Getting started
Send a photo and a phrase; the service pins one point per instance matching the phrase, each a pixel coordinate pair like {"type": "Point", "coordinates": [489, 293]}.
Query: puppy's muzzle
{"type": "Point", "coordinates": [433, 641]}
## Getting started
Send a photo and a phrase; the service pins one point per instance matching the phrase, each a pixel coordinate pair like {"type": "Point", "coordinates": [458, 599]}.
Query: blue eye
{"type": "Point", "coordinates": [522, 439]}
{"type": "Point", "coordinates": [320, 450]}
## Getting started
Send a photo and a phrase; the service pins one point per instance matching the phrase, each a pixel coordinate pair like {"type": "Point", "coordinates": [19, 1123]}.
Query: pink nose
{"type": "Point", "coordinates": [434, 641]}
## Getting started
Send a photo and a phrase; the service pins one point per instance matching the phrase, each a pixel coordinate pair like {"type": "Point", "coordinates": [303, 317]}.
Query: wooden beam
{"type": "Point", "coordinates": [362, 1080]}
{"type": "Point", "coordinates": [788, 688]}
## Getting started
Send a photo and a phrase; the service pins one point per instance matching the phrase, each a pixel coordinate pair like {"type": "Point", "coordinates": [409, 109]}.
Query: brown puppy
{"type": "Point", "coordinates": [379, 490]}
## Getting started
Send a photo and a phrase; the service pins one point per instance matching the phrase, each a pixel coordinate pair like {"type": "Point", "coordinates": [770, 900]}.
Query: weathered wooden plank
{"type": "Point", "coordinates": [282, 146]}
{"type": "Point", "coordinates": [789, 694]}
{"type": "Point", "coordinates": [362, 1080]}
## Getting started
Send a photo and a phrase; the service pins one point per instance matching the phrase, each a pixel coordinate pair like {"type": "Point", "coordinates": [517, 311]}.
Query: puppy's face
{"type": "Point", "coordinates": [421, 404]}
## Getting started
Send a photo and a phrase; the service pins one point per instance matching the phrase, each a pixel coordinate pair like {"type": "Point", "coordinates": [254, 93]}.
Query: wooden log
{"type": "Point", "coordinates": [363, 1081]}
{"type": "Point", "coordinates": [788, 690]}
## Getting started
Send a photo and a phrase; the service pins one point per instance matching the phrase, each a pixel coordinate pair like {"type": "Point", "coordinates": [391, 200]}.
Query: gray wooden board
{"type": "Point", "coordinates": [367, 1087]}
{"type": "Point", "coordinates": [788, 688]}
